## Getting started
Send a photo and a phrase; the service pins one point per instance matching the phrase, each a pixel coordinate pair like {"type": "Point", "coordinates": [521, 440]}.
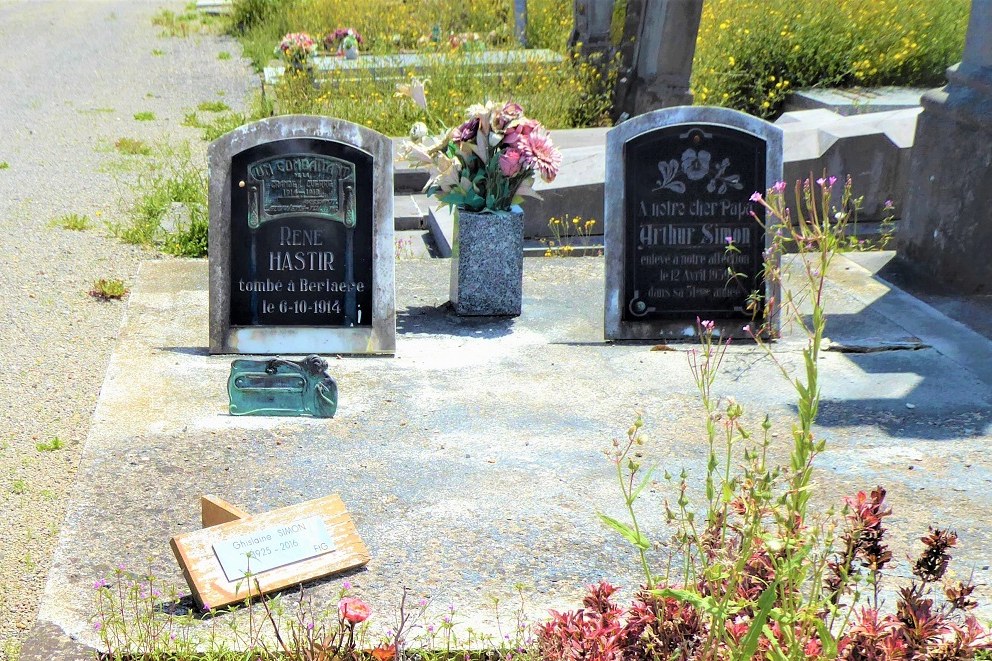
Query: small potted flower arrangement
{"type": "Point", "coordinates": [482, 169]}
{"type": "Point", "coordinates": [297, 49]}
{"type": "Point", "coordinates": [344, 41]}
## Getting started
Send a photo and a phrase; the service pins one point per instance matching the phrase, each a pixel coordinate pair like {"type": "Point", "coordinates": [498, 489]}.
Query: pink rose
{"type": "Point", "coordinates": [509, 162]}
{"type": "Point", "coordinates": [353, 610]}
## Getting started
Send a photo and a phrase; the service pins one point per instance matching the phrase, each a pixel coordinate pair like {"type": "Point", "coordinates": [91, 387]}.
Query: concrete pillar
{"type": "Point", "coordinates": [946, 232]}
{"type": "Point", "coordinates": [658, 65]}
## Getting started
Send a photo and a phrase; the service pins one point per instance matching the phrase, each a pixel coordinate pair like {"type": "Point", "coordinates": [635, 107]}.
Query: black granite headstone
{"type": "Point", "coordinates": [692, 246]}
{"type": "Point", "coordinates": [301, 235]}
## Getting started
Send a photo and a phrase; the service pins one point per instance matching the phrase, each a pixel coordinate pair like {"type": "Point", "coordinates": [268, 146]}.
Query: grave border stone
{"type": "Point", "coordinates": [616, 328]}
{"type": "Point", "coordinates": [380, 337]}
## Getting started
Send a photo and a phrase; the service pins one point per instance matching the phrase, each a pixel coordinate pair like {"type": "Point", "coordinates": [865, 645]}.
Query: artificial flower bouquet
{"type": "Point", "coordinates": [296, 48]}
{"type": "Point", "coordinates": [343, 39]}
{"type": "Point", "coordinates": [489, 161]}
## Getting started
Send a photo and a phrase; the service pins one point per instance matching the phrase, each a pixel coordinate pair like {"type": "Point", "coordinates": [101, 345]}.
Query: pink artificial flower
{"type": "Point", "coordinates": [518, 129]}
{"type": "Point", "coordinates": [510, 162]}
{"type": "Point", "coordinates": [508, 114]}
{"type": "Point", "coordinates": [354, 610]}
{"type": "Point", "coordinates": [541, 154]}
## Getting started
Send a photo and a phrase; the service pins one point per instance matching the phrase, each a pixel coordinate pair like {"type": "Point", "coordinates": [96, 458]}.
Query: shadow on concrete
{"type": "Point", "coordinates": [441, 320]}
{"type": "Point", "coordinates": [187, 351]}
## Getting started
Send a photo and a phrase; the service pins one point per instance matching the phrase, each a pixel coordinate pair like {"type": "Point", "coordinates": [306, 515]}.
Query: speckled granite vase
{"type": "Point", "coordinates": [487, 263]}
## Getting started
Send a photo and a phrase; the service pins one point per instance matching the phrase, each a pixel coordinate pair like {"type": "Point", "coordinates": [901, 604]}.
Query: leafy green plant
{"type": "Point", "coordinates": [4, 165]}
{"type": "Point", "coordinates": [170, 205]}
{"type": "Point", "coordinates": [184, 24]}
{"type": "Point", "coordinates": [18, 486]}
{"type": "Point", "coordinates": [108, 289]}
{"type": "Point", "coordinates": [144, 116]}
{"type": "Point", "coordinates": [223, 55]}
{"type": "Point", "coordinates": [52, 445]}
{"type": "Point", "coordinates": [132, 147]}
{"type": "Point", "coordinates": [72, 221]}
{"type": "Point", "coordinates": [213, 106]}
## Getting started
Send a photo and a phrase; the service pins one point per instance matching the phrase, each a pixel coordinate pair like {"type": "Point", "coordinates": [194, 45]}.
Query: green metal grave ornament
{"type": "Point", "coordinates": [282, 387]}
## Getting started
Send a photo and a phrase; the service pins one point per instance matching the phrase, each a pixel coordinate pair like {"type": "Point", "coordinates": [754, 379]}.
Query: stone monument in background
{"type": "Point", "coordinates": [656, 49]}
{"type": "Point", "coordinates": [946, 230]}
{"type": "Point", "coordinates": [659, 42]}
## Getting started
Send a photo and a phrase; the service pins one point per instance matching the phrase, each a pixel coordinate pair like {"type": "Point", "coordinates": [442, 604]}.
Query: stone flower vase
{"type": "Point", "coordinates": [487, 263]}
{"type": "Point", "coordinates": [351, 53]}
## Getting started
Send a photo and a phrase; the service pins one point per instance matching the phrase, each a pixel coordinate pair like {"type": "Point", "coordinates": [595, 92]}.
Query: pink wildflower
{"type": "Point", "coordinates": [756, 197]}
{"type": "Point", "coordinates": [779, 186]}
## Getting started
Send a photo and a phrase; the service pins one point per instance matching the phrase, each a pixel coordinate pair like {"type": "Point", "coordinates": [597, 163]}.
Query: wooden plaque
{"type": "Point", "coordinates": [265, 533]}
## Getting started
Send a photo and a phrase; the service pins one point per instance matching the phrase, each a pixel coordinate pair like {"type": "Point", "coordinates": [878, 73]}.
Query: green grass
{"type": "Point", "coordinates": [158, 52]}
{"type": "Point", "coordinates": [567, 94]}
{"type": "Point", "coordinates": [185, 23]}
{"type": "Point", "coordinates": [18, 486]}
{"type": "Point", "coordinates": [4, 165]}
{"type": "Point", "coordinates": [171, 178]}
{"type": "Point", "coordinates": [751, 54]}
{"type": "Point", "coordinates": [112, 289]}
{"type": "Point", "coordinates": [50, 446]}
{"type": "Point", "coordinates": [132, 147]}
{"type": "Point", "coordinates": [223, 55]}
{"type": "Point", "coordinates": [213, 106]}
{"type": "Point", "coordinates": [72, 221]}
{"type": "Point", "coordinates": [390, 26]}
{"type": "Point", "coordinates": [145, 116]}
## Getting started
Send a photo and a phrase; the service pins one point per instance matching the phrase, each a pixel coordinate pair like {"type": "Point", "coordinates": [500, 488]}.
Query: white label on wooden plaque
{"type": "Point", "coordinates": [273, 547]}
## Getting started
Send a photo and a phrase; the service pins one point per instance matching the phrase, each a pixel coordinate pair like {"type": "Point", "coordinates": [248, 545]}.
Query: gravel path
{"type": "Point", "coordinates": [74, 74]}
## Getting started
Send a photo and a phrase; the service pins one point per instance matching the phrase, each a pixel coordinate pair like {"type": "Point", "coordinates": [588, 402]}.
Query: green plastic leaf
{"type": "Point", "coordinates": [632, 536]}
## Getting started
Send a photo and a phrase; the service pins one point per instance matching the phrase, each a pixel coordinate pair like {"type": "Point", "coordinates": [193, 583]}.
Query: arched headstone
{"type": "Point", "coordinates": [301, 239]}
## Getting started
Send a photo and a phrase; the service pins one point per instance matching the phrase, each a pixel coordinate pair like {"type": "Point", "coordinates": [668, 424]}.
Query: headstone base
{"type": "Point", "coordinates": [947, 229]}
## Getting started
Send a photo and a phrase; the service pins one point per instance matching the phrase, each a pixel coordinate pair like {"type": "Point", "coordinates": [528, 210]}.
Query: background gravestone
{"type": "Point", "coordinates": [946, 232]}
{"type": "Point", "coordinates": [301, 239]}
{"type": "Point", "coordinates": [678, 184]}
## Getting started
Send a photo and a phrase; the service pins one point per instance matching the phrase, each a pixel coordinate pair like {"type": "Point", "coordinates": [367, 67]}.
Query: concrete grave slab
{"type": "Point", "coordinates": [473, 460]}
